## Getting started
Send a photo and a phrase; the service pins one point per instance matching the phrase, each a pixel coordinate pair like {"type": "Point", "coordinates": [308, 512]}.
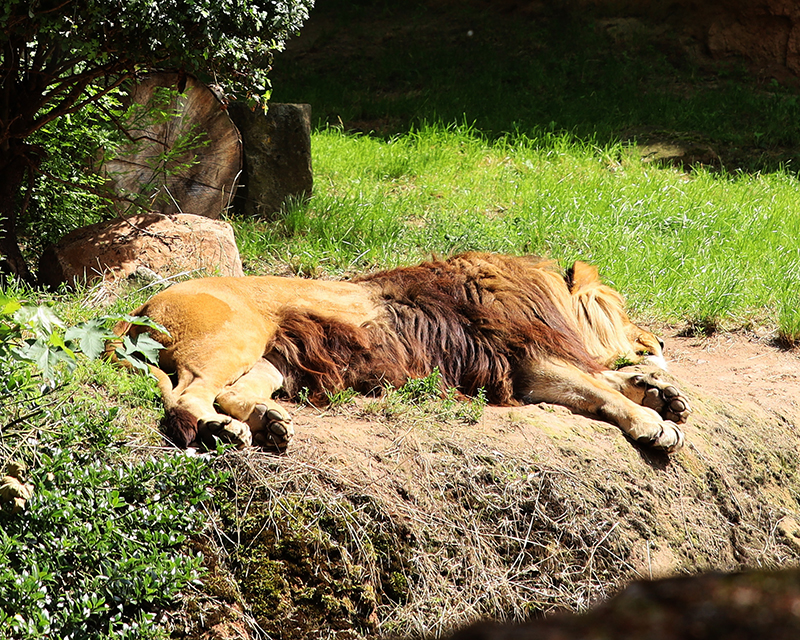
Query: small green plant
{"type": "Point", "coordinates": [35, 334]}
{"type": "Point", "coordinates": [340, 398]}
{"type": "Point", "coordinates": [422, 389]}
{"type": "Point", "coordinates": [94, 337]}
{"type": "Point", "coordinates": [471, 411]}
{"type": "Point", "coordinates": [621, 362]}
{"type": "Point", "coordinates": [427, 399]}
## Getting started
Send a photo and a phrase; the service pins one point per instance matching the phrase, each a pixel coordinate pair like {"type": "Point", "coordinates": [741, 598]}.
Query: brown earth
{"type": "Point", "coordinates": [739, 369]}
{"type": "Point", "coordinates": [390, 519]}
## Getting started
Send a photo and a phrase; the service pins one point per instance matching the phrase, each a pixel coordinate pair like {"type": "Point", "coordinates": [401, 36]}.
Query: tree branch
{"type": "Point", "coordinates": [71, 106]}
{"type": "Point", "coordinates": [70, 83]}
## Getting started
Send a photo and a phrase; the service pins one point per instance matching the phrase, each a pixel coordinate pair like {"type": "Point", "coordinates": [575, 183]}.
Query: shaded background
{"type": "Point", "coordinates": [716, 78]}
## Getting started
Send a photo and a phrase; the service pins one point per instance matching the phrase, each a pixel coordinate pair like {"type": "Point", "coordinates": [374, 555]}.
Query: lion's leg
{"type": "Point", "coordinates": [205, 368]}
{"type": "Point", "coordinates": [564, 384]}
{"type": "Point", "coordinates": [215, 335]}
{"type": "Point", "coordinates": [648, 388]}
{"type": "Point", "coordinates": [249, 399]}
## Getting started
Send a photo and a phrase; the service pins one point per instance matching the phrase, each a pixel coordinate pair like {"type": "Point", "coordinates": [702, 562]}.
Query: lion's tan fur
{"type": "Point", "coordinates": [514, 326]}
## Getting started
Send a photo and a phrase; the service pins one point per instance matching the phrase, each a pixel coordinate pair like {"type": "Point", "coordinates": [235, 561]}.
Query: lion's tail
{"type": "Point", "coordinates": [178, 425]}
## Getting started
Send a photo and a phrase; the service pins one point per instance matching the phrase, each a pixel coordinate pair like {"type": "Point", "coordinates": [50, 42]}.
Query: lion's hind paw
{"type": "Point", "coordinates": [272, 426]}
{"type": "Point", "coordinates": [227, 430]}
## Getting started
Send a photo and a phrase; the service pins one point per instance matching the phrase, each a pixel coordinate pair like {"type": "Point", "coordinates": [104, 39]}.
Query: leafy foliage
{"type": "Point", "coordinates": [36, 335]}
{"type": "Point", "coordinates": [73, 182]}
{"type": "Point", "coordinates": [69, 45]}
{"type": "Point", "coordinates": [63, 57]}
{"type": "Point", "coordinates": [33, 334]}
{"type": "Point", "coordinates": [65, 195]}
{"type": "Point", "coordinates": [98, 548]}
{"type": "Point", "coordinates": [94, 335]}
{"type": "Point", "coordinates": [97, 544]}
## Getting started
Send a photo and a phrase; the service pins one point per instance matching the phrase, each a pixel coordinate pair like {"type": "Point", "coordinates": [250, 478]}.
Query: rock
{"type": "Point", "coordinates": [682, 153]}
{"type": "Point", "coordinates": [277, 156]}
{"type": "Point", "coordinates": [766, 31]}
{"type": "Point", "coordinates": [744, 606]}
{"type": "Point", "coordinates": [151, 243]}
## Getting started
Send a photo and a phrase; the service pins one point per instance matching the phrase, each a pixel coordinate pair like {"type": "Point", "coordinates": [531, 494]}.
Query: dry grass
{"type": "Point", "coordinates": [411, 525]}
{"type": "Point", "coordinates": [471, 538]}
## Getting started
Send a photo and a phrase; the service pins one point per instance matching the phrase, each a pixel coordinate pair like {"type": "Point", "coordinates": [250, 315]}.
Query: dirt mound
{"type": "Point", "coordinates": [402, 518]}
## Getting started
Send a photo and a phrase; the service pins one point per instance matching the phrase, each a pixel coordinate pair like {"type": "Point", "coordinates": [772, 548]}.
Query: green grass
{"type": "Point", "coordinates": [715, 250]}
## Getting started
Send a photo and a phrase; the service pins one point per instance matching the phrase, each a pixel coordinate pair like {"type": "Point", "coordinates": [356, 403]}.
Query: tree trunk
{"type": "Point", "coordinates": [13, 166]}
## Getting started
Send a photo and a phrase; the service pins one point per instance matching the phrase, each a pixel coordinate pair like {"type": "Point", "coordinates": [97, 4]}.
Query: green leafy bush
{"type": "Point", "coordinates": [98, 549]}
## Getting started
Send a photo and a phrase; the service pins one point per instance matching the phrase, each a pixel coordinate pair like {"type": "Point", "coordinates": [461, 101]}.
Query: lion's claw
{"type": "Point", "coordinates": [276, 423]}
{"type": "Point", "coordinates": [226, 429]}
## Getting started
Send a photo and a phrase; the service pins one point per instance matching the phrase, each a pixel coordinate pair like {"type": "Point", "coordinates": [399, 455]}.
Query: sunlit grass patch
{"type": "Point", "coordinates": [710, 249]}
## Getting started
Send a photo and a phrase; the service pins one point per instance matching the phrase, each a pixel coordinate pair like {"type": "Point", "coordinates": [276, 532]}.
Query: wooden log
{"type": "Point", "coordinates": [186, 162]}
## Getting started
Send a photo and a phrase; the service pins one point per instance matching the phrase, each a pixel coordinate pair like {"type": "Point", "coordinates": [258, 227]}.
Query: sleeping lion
{"type": "Point", "coordinates": [515, 327]}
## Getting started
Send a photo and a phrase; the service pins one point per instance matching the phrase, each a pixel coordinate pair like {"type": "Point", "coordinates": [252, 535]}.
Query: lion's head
{"type": "Point", "coordinates": [604, 325]}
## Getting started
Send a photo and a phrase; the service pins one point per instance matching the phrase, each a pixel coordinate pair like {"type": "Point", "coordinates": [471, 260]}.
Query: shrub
{"type": "Point", "coordinates": [98, 549]}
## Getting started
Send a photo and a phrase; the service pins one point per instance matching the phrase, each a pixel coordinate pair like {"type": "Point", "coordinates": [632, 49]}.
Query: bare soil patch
{"type": "Point", "coordinates": [739, 368]}
{"type": "Point", "coordinates": [408, 521]}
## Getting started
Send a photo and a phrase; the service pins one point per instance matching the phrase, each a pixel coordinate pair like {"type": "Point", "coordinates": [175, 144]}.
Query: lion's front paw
{"type": "Point", "coordinates": [652, 431]}
{"type": "Point", "coordinates": [226, 429]}
{"type": "Point", "coordinates": [272, 426]}
{"type": "Point", "coordinates": [670, 438]}
{"type": "Point", "coordinates": [662, 397]}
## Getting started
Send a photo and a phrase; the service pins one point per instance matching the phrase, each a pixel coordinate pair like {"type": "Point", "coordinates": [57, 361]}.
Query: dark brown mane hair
{"type": "Point", "coordinates": [474, 317]}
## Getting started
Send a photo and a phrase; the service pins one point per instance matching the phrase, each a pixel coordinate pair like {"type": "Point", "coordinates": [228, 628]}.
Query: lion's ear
{"type": "Point", "coordinates": [582, 276]}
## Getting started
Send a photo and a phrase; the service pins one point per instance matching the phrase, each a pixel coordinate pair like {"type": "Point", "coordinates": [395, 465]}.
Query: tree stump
{"type": "Point", "coordinates": [184, 162]}
{"type": "Point", "coordinates": [277, 157]}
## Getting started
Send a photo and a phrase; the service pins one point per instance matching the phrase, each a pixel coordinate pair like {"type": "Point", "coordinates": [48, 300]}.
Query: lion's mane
{"type": "Point", "coordinates": [473, 316]}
